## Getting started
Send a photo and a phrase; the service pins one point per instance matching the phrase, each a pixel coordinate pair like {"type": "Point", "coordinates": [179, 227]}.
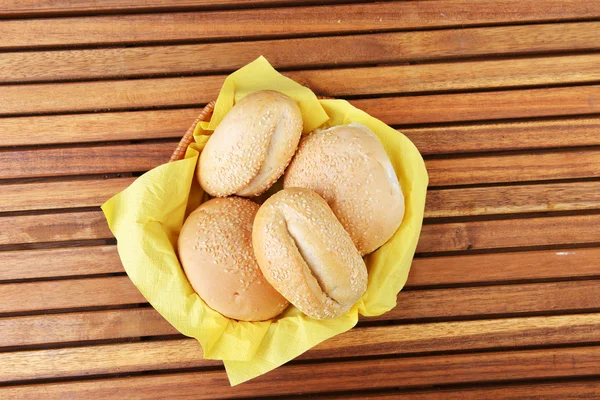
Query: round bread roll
{"type": "Point", "coordinates": [348, 166]}
{"type": "Point", "coordinates": [215, 249]}
{"type": "Point", "coordinates": [306, 254]}
{"type": "Point", "coordinates": [252, 145]}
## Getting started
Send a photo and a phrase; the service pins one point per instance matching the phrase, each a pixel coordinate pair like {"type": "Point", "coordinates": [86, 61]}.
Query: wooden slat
{"type": "Point", "coordinates": [109, 95]}
{"type": "Point", "coordinates": [434, 237]}
{"type": "Point", "coordinates": [70, 293]}
{"type": "Point", "coordinates": [84, 160]}
{"type": "Point", "coordinates": [101, 359]}
{"type": "Point", "coordinates": [14, 8]}
{"type": "Point", "coordinates": [297, 53]}
{"type": "Point", "coordinates": [172, 123]}
{"type": "Point", "coordinates": [514, 168]}
{"type": "Point", "coordinates": [48, 263]}
{"type": "Point", "coordinates": [63, 194]}
{"type": "Point", "coordinates": [512, 199]}
{"type": "Point", "coordinates": [337, 376]}
{"type": "Point", "coordinates": [442, 172]}
{"type": "Point", "coordinates": [508, 233]}
{"type": "Point", "coordinates": [449, 270]}
{"type": "Point", "coordinates": [534, 391]}
{"type": "Point", "coordinates": [406, 339]}
{"type": "Point", "coordinates": [53, 227]}
{"type": "Point", "coordinates": [171, 92]}
{"type": "Point", "coordinates": [281, 21]}
{"type": "Point", "coordinates": [498, 105]}
{"type": "Point", "coordinates": [498, 300]}
{"type": "Point", "coordinates": [527, 265]}
{"type": "Point", "coordinates": [83, 326]}
{"type": "Point", "coordinates": [504, 136]}
{"type": "Point", "coordinates": [455, 76]}
{"type": "Point", "coordinates": [401, 339]}
{"type": "Point", "coordinates": [96, 127]}
{"type": "Point", "coordinates": [440, 203]}
{"type": "Point", "coordinates": [419, 304]}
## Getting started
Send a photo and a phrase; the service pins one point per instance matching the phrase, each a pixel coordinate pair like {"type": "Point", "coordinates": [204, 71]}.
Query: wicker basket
{"type": "Point", "coordinates": [188, 138]}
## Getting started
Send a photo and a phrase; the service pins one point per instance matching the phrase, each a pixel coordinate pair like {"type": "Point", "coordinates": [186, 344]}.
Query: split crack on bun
{"type": "Point", "coordinates": [306, 255]}
{"type": "Point", "coordinates": [251, 147]}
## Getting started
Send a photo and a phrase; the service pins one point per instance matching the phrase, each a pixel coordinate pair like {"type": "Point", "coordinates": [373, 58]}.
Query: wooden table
{"type": "Point", "coordinates": [500, 96]}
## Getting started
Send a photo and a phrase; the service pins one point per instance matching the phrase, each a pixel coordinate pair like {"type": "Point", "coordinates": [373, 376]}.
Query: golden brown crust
{"type": "Point", "coordinates": [252, 145]}
{"type": "Point", "coordinates": [215, 249]}
{"type": "Point", "coordinates": [306, 254]}
{"type": "Point", "coordinates": [348, 166]}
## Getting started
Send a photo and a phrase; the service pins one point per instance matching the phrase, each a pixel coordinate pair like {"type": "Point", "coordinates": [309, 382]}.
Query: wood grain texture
{"type": "Point", "coordinates": [470, 302]}
{"type": "Point", "coordinates": [514, 168]}
{"type": "Point", "coordinates": [442, 172]}
{"type": "Point", "coordinates": [48, 263]}
{"type": "Point", "coordinates": [436, 237]}
{"type": "Point", "coordinates": [110, 95]}
{"type": "Point", "coordinates": [582, 389]}
{"type": "Point", "coordinates": [174, 92]}
{"type": "Point", "coordinates": [154, 124]}
{"type": "Point", "coordinates": [83, 128]}
{"type": "Point", "coordinates": [542, 231]}
{"type": "Point", "coordinates": [526, 103]}
{"type": "Point", "coordinates": [352, 18]}
{"type": "Point", "coordinates": [512, 199]}
{"type": "Point", "coordinates": [92, 292]}
{"type": "Point", "coordinates": [500, 300]}
{"type": "Point", "coordinates": [336, 376]}
{"type": "Point", "coordinates": [505, 136]}
{"type": "Point", "coordinates": [440, 202]}
{"type": "Point", "coordinates": [53, 227]}
{"type": "Point", "coordinates": [116, 358]}
{"type": "Point", "coordinates": [402, 339]}
{"type": "Point", "coordinates": [61, 194]}
{"type": "Point", "coordinates": [83, 326]}
{"type": "Point", "coordinates": [406, 339]}
{"type": "Point", "coordinates": [470, 75]}
{"type": "Point", "coordinates": [119, 158]}
{"type": "Point", "coordinates": [50, 7]}
{"type": "Point", "coordinates": [520, 266]}
{"type": "Point", "coordinates": [447, 270]}
{"type": "Point", "coordinates": [84, 160]}
{"type": "Point", "coordinates": [337, 51]}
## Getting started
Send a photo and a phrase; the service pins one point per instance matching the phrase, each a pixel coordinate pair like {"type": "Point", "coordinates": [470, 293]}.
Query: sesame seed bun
{"type": "Point", "coordinates": [252, 145]}
{"type": "Point", "coordinates": [306, 254]}
{"type": "Point", "coordinates": [348, 166]}
{"type": "Point", "coordinates": [215, 249]}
